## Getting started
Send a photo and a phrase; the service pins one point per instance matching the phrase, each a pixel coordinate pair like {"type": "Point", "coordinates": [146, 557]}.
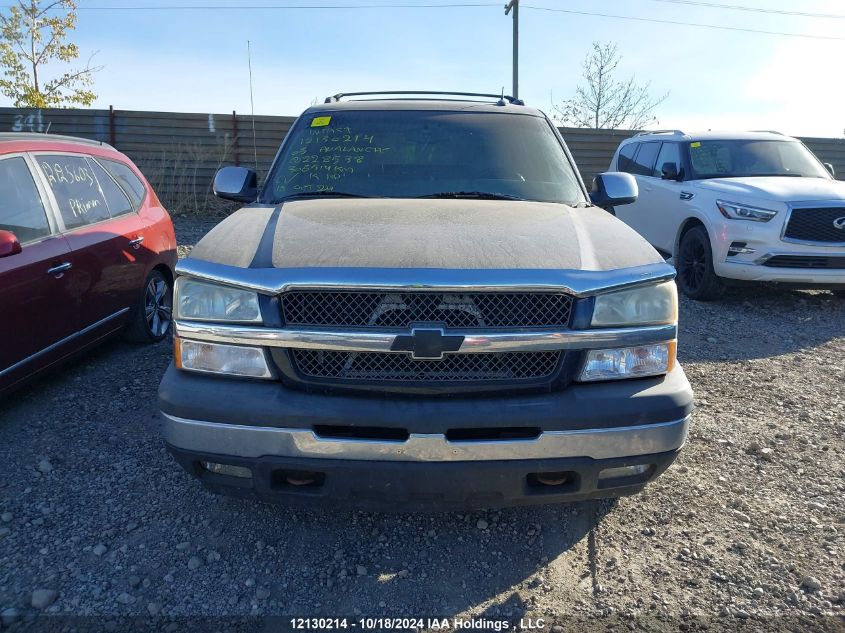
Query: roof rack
{"type": "Point", "coordinates": [647, 132]}
{"type": "Point", "coordinates": [39, 136]}
{"type": "Point", "coordinates": [502, 98]}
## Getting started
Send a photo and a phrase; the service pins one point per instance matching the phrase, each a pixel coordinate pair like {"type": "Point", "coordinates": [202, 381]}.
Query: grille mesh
{"type": "Point", "coordinates": [815, 225]}
{"type": "Point", "coordinates": [401, 310]}
{"type": "Point", "coordinates": [382, 366]}
{"type": "Point", "coordinates": [804, 261]}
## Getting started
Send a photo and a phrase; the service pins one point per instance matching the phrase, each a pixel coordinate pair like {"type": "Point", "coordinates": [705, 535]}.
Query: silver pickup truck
{"type": "Point", "coordinates": [424, 308]}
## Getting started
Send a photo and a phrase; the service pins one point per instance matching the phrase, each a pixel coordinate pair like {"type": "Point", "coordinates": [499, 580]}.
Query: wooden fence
{"type": "Point", "coordinates": [180, 152]}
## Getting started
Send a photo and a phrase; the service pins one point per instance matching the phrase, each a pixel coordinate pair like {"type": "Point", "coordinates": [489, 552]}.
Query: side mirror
{"type": "Point", "coordinates": [613, 188]}
{"type": "Point", "coordinates": [829, 167]}
{"type": "Point", "coordinates": [9, 244]}
{"type": "Point", "coordinates": [236, 183]}
{"type": "Point", "coordinates": [670, 171]}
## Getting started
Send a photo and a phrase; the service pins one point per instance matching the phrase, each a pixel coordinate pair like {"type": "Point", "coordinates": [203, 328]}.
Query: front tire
{"type": "Point", "coordinates": [696, 277]}
{"type": "Point", "coordinates": [154, 314]}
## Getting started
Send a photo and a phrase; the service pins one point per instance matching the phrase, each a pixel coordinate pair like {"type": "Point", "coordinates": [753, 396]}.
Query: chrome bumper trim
{"type": "Point", "coordinates": [256, 441]}
{"type": "Point", "coordinates": [474, 342]}
{"type": "Point", "coordinates": [274, 281]}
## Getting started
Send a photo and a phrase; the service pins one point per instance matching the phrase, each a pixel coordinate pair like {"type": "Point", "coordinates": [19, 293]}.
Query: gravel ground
{"type": "Point", "coordinates": [746, 530]}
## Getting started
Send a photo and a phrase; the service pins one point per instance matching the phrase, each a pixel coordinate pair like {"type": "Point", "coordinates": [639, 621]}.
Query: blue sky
{"type": "Point", "coordinates": [195, 61]}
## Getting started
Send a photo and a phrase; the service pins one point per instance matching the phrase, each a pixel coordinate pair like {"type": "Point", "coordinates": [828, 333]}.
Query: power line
{"type": "Point", "coordinates": [679, 23]}
{"type": "Point", "coordinates": [739, 7]}
{"type": "Point", "coordinates": [452, 5]}
{"type": "Point", "coordinates": [258, 7]}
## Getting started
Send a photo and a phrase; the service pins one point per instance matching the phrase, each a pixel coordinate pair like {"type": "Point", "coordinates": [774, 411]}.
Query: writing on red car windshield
{"type": "Point", "coordinates": [69, 174]}
{"type": "Point", "coordinates": [77, 189]}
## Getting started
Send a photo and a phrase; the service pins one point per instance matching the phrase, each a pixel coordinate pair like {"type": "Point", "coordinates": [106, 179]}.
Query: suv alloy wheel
{"type": "Point", "coordinates": [696, 277]}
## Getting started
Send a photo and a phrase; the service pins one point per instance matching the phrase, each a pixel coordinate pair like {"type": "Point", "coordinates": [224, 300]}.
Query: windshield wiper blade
{"type": "Point", "coordinates": [478, 195]}
{"type": "Point", "coordinates": [321, 194]}
{"type": "Point", "coordinates": [771, 175]}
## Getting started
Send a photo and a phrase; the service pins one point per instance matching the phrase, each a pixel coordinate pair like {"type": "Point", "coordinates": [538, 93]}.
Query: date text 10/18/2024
{"type": "Point", "coordinates": [407, 624]}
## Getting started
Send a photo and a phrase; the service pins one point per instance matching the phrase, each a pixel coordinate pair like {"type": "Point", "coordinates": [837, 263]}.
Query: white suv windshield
{"type": "Point", "coordinates": [413, 153]}
{"type": "Point", "coordinates": [736, 159]}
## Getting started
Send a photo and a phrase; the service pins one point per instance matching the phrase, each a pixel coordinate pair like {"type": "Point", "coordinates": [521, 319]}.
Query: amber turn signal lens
{"type": "Point", "coordinates": [673, 351]}
{"type": "Point", "coordinates": [177, 352]}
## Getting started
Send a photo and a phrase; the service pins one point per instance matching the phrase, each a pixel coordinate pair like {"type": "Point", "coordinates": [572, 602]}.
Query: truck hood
{"type": "Point", "coordinates": [424, 233]}
{"type": "Point", "coordinates": [776, 188]}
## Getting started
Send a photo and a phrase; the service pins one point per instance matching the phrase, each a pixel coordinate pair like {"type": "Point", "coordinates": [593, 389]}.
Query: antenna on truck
{"type": "Point", "coordinates": [252, 102]}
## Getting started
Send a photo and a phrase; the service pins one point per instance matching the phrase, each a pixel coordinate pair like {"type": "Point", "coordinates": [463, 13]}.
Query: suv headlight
{"type": "Point", "coordinates": [736, 211]}
{"type": "Point", "coordinates": [644, 305]}
{"type": "Point", "coordinates": [205, 301]}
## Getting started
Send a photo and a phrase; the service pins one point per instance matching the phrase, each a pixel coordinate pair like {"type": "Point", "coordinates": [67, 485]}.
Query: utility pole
{"type": "Point", "coordinates": [514, 5]}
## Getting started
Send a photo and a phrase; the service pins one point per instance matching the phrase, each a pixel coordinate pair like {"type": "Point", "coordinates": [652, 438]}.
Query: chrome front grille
{"type": "Point", "coordinates": [362, 309]}
{"type": "Point", "coordinates": [400, 312]}
{"type": "Point", "coordinates": [815, 225]}
{"type": "Point", "coordinates": [511, 367]}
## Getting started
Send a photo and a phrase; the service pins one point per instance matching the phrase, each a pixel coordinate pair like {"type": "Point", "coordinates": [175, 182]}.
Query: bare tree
{"type": "Point", "coordinates": [605, 101]}
{"type": "Point", "coordinates": [34, 33]}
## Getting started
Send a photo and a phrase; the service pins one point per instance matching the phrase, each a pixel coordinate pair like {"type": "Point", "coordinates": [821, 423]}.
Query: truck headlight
{"type": "Point", "coordinates": [214, 358]}
{"type": "Point", "coordinates": [645, 305]}
{"type": "Point", "coordinates": [204, 301]}
{"type": "Point", "coordinates": [629, 362]}
{"type": "Point", "coordinates": [736, 211]}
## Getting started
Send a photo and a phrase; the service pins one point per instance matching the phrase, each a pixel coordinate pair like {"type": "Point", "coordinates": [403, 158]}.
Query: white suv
{"type": "Point", "coordinates": [752, 206]}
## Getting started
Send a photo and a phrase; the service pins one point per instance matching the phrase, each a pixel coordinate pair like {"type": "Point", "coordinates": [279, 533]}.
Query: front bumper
{"type": "Point", "coordinates": [274, 431]}
{"type": "Point", "coordinates": [764, 242]}
{"type": "Point", "coordinates": [810, 277]}
{"type": "Point", "coordinates": [254, 442]}
{"type": "Point", "coordinates": [422, 486]}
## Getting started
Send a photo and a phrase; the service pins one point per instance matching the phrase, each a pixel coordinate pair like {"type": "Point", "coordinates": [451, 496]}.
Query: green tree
{"type": "Point", "coordinates": [34, 44]}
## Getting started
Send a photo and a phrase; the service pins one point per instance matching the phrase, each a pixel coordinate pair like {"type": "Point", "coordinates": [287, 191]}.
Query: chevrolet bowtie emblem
{"type": "Point", "coordinates": [427, 343]}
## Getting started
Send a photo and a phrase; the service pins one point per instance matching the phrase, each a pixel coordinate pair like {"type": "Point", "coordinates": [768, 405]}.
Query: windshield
{"type": "Point", "coordinates": [736, 159]}
{"type": "Point", "coordinates": [412, 153]}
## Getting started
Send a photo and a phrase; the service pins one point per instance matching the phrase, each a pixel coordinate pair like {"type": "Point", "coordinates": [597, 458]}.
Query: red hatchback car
{"type": "Point", "coordinates": [86, 250]}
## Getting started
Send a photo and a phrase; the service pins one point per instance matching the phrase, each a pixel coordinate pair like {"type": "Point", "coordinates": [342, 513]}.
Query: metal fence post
{"type": "Point", "coordinates": [235, 148]}
{"type": "Point", "coordinates": [112, 134]}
